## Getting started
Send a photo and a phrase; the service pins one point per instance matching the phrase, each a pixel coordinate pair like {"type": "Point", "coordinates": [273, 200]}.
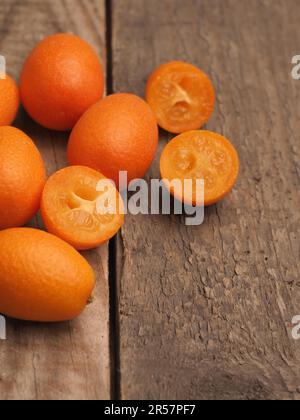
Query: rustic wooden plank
{"type": "Point", "coordinates": [71, 360]}
{"type": "Point", "coordinates": [205, 312]}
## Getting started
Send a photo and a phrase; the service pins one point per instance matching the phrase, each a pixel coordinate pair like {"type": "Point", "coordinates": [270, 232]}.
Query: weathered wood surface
{"type": "Point", "coordinates": [205, 312]}
{"type": "Point", "coordinates": [68, 361]}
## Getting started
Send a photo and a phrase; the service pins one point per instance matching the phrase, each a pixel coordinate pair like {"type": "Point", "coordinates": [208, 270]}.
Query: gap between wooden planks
{"type": "Point", "coordinates": [71, 360]}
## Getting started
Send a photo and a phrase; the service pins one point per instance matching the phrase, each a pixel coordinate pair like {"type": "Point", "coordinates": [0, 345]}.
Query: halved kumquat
{"type": "Point", "coordinates": [82, 207]}
{"type": "Point", "coordinates": [181, 96]}
{"type": "Point", "coordinates": [119, 133]}
{"type": "Point", "coordinates": [200, 155]}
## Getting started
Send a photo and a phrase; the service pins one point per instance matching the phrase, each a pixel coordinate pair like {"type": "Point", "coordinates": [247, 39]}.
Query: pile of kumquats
{"type": "Point", "coordinates": [43, 277]}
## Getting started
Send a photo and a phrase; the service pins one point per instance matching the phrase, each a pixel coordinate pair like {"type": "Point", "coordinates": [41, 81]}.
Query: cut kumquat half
{"type": "Point", "coordinates": [82, 207]}
{"type": "Point", "coordinates": [181, 96]}
{"type": "Point", "coordinates": [200, 155]}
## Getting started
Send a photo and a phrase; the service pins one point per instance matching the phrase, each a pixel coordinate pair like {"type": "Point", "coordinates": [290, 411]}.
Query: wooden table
{"type": "Point", "coordinates": [180, 312]}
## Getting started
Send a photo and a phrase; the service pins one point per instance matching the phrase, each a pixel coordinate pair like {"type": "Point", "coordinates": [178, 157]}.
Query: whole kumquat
{"type": "Point", "coordinates": [119, 133]}
{"type": "Point", "coordinates": [9, 100]}
{"type": "Point", "coordinates": [22, 178]}
{"type": "Point", "coordinates": [42, 278]}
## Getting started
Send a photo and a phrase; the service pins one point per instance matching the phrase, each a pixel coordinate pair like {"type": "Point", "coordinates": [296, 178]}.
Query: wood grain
{"type": "Point", "coordinates": [71, 360]}
{"type": "Point", "coordinates": [205, 312]}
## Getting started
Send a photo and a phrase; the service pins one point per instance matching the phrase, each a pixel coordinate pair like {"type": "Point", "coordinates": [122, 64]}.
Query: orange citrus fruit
{"type": "Point", "coordinates": [181, 96]}
{"type": "Point", "coordinates": [60, 80]}
{"type": "Point", "coordinates": [119, 133]}
{"type": "Point", "coordinates": [200, 155]}
{"type": "Point", "coordinates": [42, 278]}
{"type": "Point", "coordinates": [82, 207]}
{"type": "Point", "coordinates": [22, 178]}
{"type": "Point", "coordinates": [9, 101]}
